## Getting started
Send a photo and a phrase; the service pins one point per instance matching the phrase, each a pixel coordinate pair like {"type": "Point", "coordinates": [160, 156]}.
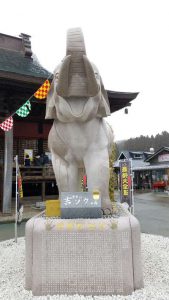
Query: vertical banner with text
{"type": "Point", "coordinates": [126, 181]}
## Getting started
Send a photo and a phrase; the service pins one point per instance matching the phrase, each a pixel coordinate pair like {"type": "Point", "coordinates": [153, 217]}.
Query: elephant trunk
{"type": "Point", "coordinates": [76, 76]}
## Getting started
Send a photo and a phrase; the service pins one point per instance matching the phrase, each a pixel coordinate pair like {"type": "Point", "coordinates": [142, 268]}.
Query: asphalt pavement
{"type": "Point", "coordinates": [152, 210]}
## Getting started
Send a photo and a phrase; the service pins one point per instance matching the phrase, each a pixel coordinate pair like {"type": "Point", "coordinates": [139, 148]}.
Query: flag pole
{"type": "Point", "coordinates": [16, 199]}
{"type": "Point", "coordinates": [132, 188]}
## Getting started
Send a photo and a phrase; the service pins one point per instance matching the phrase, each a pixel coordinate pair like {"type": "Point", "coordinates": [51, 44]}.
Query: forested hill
{"type": "Point", "coordinates": [144, 143]}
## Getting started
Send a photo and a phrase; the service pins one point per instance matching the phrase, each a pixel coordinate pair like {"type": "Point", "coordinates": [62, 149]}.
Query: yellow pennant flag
{"type": "Point", "coordinates": [42, 92]}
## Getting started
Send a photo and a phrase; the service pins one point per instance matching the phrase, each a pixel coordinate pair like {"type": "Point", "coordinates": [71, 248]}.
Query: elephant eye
{"type": "Point", "coordinates": [96, 75]}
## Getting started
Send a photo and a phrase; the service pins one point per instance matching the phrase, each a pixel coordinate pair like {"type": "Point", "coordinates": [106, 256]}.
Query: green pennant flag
{"type": "Point", "coordinates": [24, 110]}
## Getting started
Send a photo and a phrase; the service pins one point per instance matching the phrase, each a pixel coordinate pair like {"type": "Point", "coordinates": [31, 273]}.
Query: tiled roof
{"type": "Point", "coordinates": [136, 162]}
{"type": "Point", "coordinates": [149, 167]}
{"type": "Point", "coordinates": [157, 152]}
{"type": "Point", "coordinates": [16, 62]}
{"type": "Point", "coordinates": [139, 164]}
{"type": "Point", "coordinates": [119, 100]}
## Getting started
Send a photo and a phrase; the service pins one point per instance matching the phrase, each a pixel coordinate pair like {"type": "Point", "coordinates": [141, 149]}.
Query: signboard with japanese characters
{"type": "Point", "coordinates": [163, 157]}
{"type": "Point", "coordinates": [125, 181]}
{"type": "Point", "coordinates": [80, 205]}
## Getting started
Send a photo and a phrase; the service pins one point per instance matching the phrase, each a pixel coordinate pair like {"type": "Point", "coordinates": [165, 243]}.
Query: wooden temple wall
{"type": "Point", "coordinates": [19, 144]}
{"type": "Point", "coordinates": [1, 150]}
{"type": "Point", "coordinates": [26, 135]}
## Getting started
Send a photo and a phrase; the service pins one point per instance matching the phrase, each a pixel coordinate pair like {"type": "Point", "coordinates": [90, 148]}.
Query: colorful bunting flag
{"type": "Point", "coordinates": [42, 92]}
{"type": "Point", "coordinates": [7, 124]}
{"type": "Point", "coordinates": [24, 110]}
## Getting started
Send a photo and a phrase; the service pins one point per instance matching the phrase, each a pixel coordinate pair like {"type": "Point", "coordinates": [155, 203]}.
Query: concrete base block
{"type": "Point", "coordinates": [83, 256]}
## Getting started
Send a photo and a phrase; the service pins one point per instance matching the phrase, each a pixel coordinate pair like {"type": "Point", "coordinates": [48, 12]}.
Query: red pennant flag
{"type": "Point", "coordinates": [7, 124]}
{"type": "Point", "coordinates": [42, 92]}
{"type": "Point", "coordinates": [129, 181]}
{"type": "Point", "coordinates": [20, 189]}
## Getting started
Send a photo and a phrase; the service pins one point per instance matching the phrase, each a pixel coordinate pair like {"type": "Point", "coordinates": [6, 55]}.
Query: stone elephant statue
{"type": "Point", "coordinates": [79, 137]}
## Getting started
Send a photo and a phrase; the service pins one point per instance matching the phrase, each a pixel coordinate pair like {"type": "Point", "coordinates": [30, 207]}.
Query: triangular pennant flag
{"type": "Point", "coordinates": [7, 124]}
{"type": "Point", "coordinates": [42, 92]}
{"type": "Point", "coordinates": [24, 110]}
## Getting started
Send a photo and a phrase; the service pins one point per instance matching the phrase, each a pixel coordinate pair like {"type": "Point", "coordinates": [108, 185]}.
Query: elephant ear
{"type": "Point", "coordinates": [104, 106]}
{"type": "Point", "coordinates": [50, 103]}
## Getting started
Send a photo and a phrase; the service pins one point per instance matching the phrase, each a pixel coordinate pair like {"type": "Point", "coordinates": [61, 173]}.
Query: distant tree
{"type": "Point", "coordinates": [144, 143]}
{"type": "Point", "coordinates": [113, 176]}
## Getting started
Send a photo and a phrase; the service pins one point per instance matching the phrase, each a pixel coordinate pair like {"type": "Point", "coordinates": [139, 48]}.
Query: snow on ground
{"type": "Point", "coordinates": [155, 253]}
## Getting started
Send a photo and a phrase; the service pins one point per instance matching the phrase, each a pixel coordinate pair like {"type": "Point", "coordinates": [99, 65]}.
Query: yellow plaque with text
{"type": "Point", "coordinates": [53, 208]}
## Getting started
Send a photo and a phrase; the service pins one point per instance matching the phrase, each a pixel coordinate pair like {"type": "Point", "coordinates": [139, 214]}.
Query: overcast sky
{"type": "Point", "coordinates": [128, 40]}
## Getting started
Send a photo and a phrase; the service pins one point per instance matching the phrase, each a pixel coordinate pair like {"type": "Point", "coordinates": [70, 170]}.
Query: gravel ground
{"type": "Point", "coordinates": [155, 252]}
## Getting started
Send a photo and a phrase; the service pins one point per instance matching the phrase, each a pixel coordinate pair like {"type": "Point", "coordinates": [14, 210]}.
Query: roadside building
{"type": "Point", "coordinates": [159, 168]}
{"type": "Point", "coordinates": [141, 179]}
{"type": "Point", "coordinates": [150, 170]}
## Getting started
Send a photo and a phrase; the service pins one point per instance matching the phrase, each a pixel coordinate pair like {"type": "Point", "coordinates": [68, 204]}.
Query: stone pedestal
{"type": "Point", "coordinates": [83, 256]}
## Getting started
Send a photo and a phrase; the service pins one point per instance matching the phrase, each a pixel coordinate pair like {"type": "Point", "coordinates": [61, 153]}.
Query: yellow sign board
{"type": "Point", "coordinates": [53, 208]}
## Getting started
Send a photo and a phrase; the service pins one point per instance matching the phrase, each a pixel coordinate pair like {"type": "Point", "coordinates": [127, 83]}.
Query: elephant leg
{"type": "Point", "coordinates": [66, 174]}
{"type": "Point", "coordinates": [61, 174]}
{"type": "Point", "coordinates": [97, 170]}
{"type": "Point", "coordinates": [73, 178]}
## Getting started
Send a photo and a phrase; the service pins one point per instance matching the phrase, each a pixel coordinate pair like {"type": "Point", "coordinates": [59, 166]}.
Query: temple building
{"type": "Point", "coordinates": [21, 75]}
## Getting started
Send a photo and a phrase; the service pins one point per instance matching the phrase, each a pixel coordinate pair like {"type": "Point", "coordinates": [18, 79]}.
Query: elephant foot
{"type": "Point", "coordinates": [107, 208]}
{"type": "Point", "coordinates": [107, 211]}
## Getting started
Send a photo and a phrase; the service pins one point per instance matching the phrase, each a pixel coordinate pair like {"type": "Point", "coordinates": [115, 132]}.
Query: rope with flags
{"type": "Point", "coordinates": [25, 109]}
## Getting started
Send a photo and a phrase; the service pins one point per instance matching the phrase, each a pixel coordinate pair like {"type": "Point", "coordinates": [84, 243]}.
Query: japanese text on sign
{"type": "Point", "coordinates": [78, 200]}
{"type": "Point", "coordinates": [125, 180]}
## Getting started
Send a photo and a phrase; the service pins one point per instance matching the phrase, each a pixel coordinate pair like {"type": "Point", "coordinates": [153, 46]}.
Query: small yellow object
{"type": "Point", "coordinates": [69, 226]}
{"type": "Point", "coordinates": [91, 226]}
{"type": "Point", "coordinates": [101, 226]}
{"type": "Point", "coordinates": [96, 195]}
{"type": "Point", "coordinates": [59, 226]}
{"type": "Point", "coordinates": [53, 208]}
{"type": "Point", "coordinates": [79, 226]}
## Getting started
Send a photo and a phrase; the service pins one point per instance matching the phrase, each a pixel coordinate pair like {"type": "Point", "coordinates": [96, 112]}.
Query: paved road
{"type": "Point", "coordinates": [7, 231]}
{"type": "Point", "coordinates": [152, 210]}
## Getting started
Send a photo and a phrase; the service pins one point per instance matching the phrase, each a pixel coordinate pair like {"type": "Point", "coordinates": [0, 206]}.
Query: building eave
{"type": "Point", "coordinates": [153, 167]}
{"type": "Point", "coordinates": [119, 100]}
{"type": "Point", "coordinates": [21, 78]}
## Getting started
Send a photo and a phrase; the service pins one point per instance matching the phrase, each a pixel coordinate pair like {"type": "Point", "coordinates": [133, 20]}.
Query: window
{"type": "Point", "coordinates": [138, 156]}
